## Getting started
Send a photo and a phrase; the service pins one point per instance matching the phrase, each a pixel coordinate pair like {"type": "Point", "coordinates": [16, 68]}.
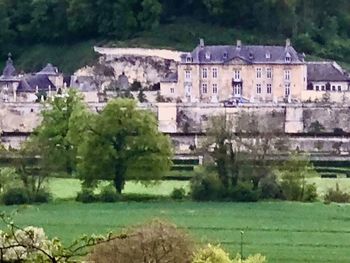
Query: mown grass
{"type": "Point", "coordinates": [285, 232]}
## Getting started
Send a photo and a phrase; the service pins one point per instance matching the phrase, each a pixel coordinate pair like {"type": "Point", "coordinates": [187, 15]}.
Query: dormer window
{"type": "Point", "coordinates": [268, 55]}
{"type": "Point", "coordinates": [207, 56]}
{"type": "Point", "coordinates": [251, 56]}
{"type": "Point", "coordinates": [225, 55]}
{"type": "Point", "coordinates": [188, 59]}
{"type": "Point", "coordinates": [288, 58]}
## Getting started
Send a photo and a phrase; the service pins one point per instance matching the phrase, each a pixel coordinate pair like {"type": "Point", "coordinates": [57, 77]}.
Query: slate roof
{"type": "Point", "coordinates": [171, 77]}
{"type": "Point", "coordinates": [30, 84]}
{"type": "Point", "coordinates": [326, 71]}
{"type": "Point", "coordinates": [83, 83]}
{"type": "Point", "coordinates": [48, 70]}
{"type": "Point", "coordinates": [9, 72]}
{"type": "Point", "coordinates": [251, 54]}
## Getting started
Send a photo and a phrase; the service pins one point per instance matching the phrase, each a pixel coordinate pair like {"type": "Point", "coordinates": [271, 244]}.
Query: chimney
{"type": "Point", "coordinates": [239, 43]}
{"type": "Point", "coordinates": [288, 43]}
{"type": "Point", "coordinates": [201, 42]}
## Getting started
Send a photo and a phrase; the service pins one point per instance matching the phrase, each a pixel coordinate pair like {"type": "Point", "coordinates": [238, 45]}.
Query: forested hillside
{"type": "Point", "coordinates": [33, 29]}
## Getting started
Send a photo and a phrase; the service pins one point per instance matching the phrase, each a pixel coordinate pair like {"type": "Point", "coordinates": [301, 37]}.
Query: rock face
{"type": "Point", "coordinates": [143, 65]}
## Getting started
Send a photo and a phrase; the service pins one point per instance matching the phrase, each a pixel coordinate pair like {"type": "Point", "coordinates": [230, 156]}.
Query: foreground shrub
{"type": "Point", "coordinates": [42, 196]}
{"type": "Point", "coordinates": [155, 242]}
{"type": "Point", "coordinates": [15, 196]}
{"type": "Point", "coordinates": [310, 193]}
{"type": "Point", "coordinates": [270, 189]}
{"type": "Point", "coordinates": [244, 192]}
{"type": "Point", "coordinates": [109, 195]}
{"type": "Point", "coordinates": [211, 254]}
{"type": "Point", "coordinates": [178, 194]}
{"type": "Point", "coordinates": [336, 196]}
{"type": "Point", "coordinates": [206, 186]}
{"type": "Point", "coordinates": [86, 196]}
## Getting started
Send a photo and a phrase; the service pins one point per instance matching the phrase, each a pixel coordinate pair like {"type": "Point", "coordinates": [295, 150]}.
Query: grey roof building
{"type": "Point", "coordinates": [251, 54]}
{"type": "Point", "coordinates": [9, 73]}
{"type": "Point", "coordinates": [326, 71]}
{"type": "Point", "coordinates": [36, 83]}
{"type": "Point", "coordinates": [48, 70]}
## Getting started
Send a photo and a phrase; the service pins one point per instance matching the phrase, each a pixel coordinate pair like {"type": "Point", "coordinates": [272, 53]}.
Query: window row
{"type": "Point", "coordinates": [325, 87]}
{"type": "Point", "coordinates": [259, 73]}
{"type": "Point", "coordinates": [259, 89]}
{"type": "Point", "coordinates": [214, 73]}
{"type": "Point", "coordinates": [215, 88]}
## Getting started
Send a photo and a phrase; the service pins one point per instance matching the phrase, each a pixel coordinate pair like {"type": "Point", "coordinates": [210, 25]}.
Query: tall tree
{"type": "Point", "coordinates": [123, 143]}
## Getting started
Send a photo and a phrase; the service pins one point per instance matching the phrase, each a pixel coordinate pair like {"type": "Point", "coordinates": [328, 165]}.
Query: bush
{"type": "Point", "coordinates": [42, 196]}
{"type": "Point", "coordinates": [270, 189]}
{"type": "Point", "coordinates": [310, 193]}
{"type": "Point", "coordinates": [206, 187]}
{"type": "Point", "coordinates": [211, 254]}
{"type": "Point", "coordinates": [86, 196]}
{"type": "Point", "coordinates": [15, 196]}
{"type": "Point", "coordinates": [142, 197]}
{"type": "Point", "coordinates": [336, 196]}
{"type": "Point", "coordinates": [244, 192]}
{"type": "Point", "coordinates": [109, 195]}
{"type": "Point", "coordinates": [154, 242]}
{"type": "Point", "coordinates": [178, 194]}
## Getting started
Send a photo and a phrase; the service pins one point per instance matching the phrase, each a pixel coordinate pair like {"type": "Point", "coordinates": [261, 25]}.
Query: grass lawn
{"type": "Point", "coordinates": [285, 232]}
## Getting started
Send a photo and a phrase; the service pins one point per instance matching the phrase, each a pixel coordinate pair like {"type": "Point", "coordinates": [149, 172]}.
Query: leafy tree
{"type": "Point", "coordinates": [123, 143]}
{"type": "Point", "coordinates": [59, 133]}
{"type": "Point", "coordinates": [294, 174]}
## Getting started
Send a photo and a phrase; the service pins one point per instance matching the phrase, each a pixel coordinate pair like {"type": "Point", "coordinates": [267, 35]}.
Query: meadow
{"type": "Point", "coordinates": [283, 231]}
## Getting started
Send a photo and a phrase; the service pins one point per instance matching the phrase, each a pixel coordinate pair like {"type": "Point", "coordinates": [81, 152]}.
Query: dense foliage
{"type": "Point", "coordinates": [319, 27]}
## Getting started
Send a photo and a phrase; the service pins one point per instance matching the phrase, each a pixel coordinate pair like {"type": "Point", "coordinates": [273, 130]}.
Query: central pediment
{"type": "Point", "coordinates": [238, 61]}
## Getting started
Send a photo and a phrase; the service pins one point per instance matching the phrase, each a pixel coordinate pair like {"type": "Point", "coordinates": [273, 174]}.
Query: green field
{"type": "Point", "coordinates": [285, 232]}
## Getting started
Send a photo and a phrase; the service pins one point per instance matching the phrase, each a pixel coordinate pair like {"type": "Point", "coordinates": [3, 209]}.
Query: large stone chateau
{"type": "Point", "coordinates": [253, 73]}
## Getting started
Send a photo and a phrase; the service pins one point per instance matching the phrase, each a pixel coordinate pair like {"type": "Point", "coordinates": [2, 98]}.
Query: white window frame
{"type": "Point", "coordinates": [237, 90]}
{"type": "Point", "coordinates": [215, 73]}
{"type": "Point", "coordinates": [258, 89]}
{"type": "Point", "coordinates": [204, 73]}
{"type": "Point", "coordinates": [204, 88]}
{"type": "Point", "coordinates": [172, 90]}
{"type": "Point", "coordinates": [215, 89]}
{"type": "Point", "coordinates": [188, 75]}
{"type": "Point", "coordinates": [259, 73]}
{"type": "Point", "coordinates": [287, 75]}
{"type": "Point", "coordinates": [269, 88]}
{"type": "Point", "coordinates": [237, 74]}
{"type": "Point", "coordinates": [269, 73]}
{"type": "Point", "coordinates": [287, 90]}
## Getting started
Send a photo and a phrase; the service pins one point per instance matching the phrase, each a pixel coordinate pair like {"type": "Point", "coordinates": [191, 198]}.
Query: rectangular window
{"type": "Point", "coordinates": [237, 75]}
{"type": "Point", "coordinates": [339, 88]}
{"type": "Point", "coordinates": [204, 88]}
{"type": "Point", "coordinates": [215, 73]}
{"type": "Point", "coordinates": [215, 88]}
{"type": "Point", "coordinates": [317, 88]}
{"type": "Point", "coordinates": [287, 90]}
{"type": "Point", "coordinates": [333, 88]}
{"type": "Point", "coordinates": [269, 88]}
{"type": "Point", "coordinates": [204, 73]}
{"type": "Point", "coordinates": [187, 74]}
{"type": "Point", "coordinates": [287, 75]}
{"type": "Point", "coordinates": [322, 87]}
{"type": "Point", "coordinates": [258, 73]}
{"type": "Point", "coordinates": [172, 90]}
{"type": "Point", "coordinates": [258, 88]}
{"type": "Point", "coordinates": [269, 73]}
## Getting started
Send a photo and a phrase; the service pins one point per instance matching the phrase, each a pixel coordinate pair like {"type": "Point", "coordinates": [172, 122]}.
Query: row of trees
{"type": "Point", "coordinates": [115, 144]}
{"type": "Point", "coordinates": [308, 21]}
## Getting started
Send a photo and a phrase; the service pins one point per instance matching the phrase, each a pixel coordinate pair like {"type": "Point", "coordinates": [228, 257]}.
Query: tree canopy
{"type": "Point", "coordinates": [311, 23]}
{"type": "Point", "coordinates": [122, 142]}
